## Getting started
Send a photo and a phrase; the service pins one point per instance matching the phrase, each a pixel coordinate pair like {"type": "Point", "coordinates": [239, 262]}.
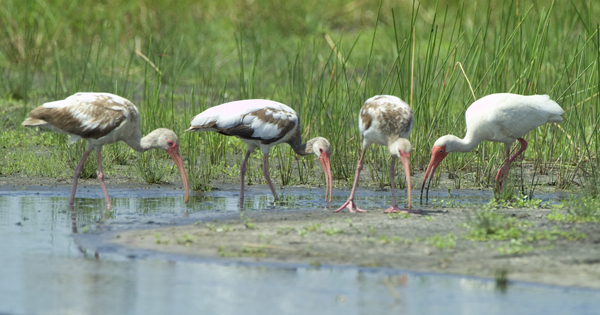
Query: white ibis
{"type": "Point", "coordinates": [103, 118]}
{"type": "Point", "coordinates": [385, 120]}
{"type": "Point", "coordinates": [263, 124]}
{"type": "Point", "coordinates": [502, 117]}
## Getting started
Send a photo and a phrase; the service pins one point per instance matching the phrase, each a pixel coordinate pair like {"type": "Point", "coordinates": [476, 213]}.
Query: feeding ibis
{"type": "Point", "coordinates": [262, 124]}
{"type": "Point", "coordinates": [501, 117]}
{"type": "Point", "coordinates": [385, 120]}
{"type": "Point", "coordinates": [103, 118]}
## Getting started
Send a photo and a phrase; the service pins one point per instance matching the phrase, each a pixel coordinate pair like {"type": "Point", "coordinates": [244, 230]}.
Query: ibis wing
{"type": "Point", "coordinates": [87, 115]}
{"type": "Point", "coordinates": [262, 120]}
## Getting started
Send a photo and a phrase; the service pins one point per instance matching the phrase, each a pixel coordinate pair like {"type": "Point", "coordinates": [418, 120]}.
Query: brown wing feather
{"type": "Point", "coordinates": [88, 119]}
{"type": "Point", "coordinates": [243, 129]}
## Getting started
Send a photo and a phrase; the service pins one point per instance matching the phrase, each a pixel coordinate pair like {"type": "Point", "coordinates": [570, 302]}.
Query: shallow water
{"type": "Point", "coordinates": [46, 268]}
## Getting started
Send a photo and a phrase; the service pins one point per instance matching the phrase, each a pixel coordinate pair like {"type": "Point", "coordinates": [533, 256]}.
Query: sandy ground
{"type": "Point", "coordinates": [375, 239]}
{"type": "Point", "coordinates": [371, 239]}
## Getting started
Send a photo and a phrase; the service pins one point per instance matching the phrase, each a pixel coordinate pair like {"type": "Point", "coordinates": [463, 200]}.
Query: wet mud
{"type": "Point", "coordinates": [304, 230]}
{"type": "Point", "coordinates": [377, 240]}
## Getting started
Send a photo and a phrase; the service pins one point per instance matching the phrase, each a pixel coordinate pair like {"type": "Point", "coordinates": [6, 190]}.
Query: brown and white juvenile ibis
{"type": "Point", "coordinates": [501, 117]}
{"type": "Point", "coordinates": [262, 124]}
{"type": "Point", "coordinates": [385, 120]}
{"type": "Point", "coordinates": [103, 118]}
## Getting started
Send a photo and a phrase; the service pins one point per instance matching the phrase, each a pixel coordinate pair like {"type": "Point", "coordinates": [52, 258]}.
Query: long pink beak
{"type": "Point", "coordinates": [324, 158]}
{"type": "Point", "coordinates": [436, 159]}
{"type": "Point", "coordinates": [405, 158]}
{"type": "Point", "coordinates": [174, 153]}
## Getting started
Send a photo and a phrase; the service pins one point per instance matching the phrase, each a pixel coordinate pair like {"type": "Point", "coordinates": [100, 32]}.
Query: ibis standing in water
{"type": "Point", "coordinates": [385, 120]}
{"type": "Point", "coordinates": [103, 118]}
{"type": "Point", "coordinates": [262, 124]}
{"type": "Point", "coordinates": [502, 117]}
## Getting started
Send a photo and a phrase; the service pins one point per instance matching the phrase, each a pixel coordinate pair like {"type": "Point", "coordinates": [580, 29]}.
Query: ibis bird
{"type": "Point", "coordinates": [262, 124]}
{"type": "Point", "coordinates": [103, 118]}
{"type": "Point", "coordinates": [501, 117]}
{"type": "Point", "coordinates": [385, 120]}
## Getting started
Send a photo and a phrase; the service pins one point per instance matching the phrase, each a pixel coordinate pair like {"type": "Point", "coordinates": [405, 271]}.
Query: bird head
{"type": "Point", "coordinates": [322, 149]}
{"type": "Point", "coordinates": [401, 148]}
{"type": "Point", "coordinates": [439, 151]}
{"type": "Point", "coordinates": [321, 146]}
{"type": "Point", "coordinates": [166, 139]}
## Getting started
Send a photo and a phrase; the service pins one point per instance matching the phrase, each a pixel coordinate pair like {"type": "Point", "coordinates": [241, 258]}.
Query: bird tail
{"type": "Point", "coordinates": [551, 107]}
{"type": "Point", "coordinates": [32, 122]}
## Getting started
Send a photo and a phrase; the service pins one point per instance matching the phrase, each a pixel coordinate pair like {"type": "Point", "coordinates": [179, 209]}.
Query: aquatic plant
{"type": "Point", "coordinates": [577, 209]}
{"type": "Point", "coordinates": [442, 242]}
{"type": "Point", "coordinates": [323, 58]}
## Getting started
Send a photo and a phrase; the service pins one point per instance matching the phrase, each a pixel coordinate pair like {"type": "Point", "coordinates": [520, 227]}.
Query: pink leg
{"type": "Point", "coordinates": [394, 207]}
{"type": "Point", "coordinates": [78, 169]}
{"type": "Point", "coordinates": [523, 147]}
{"type": "Point", "coordinates": [503, 171]}
{"type": "Point", "coordinates": [350, 202]}
{"type": "Point", "coordinates": [267, 176]}
{"type": "Point", "coordinates": [242, 174]}
{"type": "Point", "coordinates": [101, 179]}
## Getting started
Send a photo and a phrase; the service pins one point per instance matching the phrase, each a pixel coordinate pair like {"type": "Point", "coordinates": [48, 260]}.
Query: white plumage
{"type": "Point", "coordinates": [244, 113]}
{"type": "Point", "coordinates": [501, 117]}
{"type": "Point", "coordinates": [385, 120]}
{"type": "Point", "coordinates": [103, 118]}
{"type": "Point", "coordinates": [263, 124]}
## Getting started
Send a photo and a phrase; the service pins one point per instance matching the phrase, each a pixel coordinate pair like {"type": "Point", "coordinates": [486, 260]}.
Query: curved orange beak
{"type": "Point", "coordinates": [174, 153]}
{"type": "Point", "coordinates": [437, 155]}
{"type": "Point", "coordinates": [405, 158]}
{"type": "Point", "coordinates": [324, 158]}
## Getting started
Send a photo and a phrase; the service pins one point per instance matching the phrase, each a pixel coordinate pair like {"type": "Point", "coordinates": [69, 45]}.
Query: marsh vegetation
{"type": "Point", "coordinates": [174, 60]}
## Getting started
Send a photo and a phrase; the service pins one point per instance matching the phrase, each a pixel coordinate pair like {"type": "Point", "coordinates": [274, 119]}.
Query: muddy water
{"type": "Point", "coordinates": [47, 266]}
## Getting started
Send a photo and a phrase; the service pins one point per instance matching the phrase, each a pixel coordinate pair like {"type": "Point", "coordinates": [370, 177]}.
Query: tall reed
{"type": "Point", "coordinates": [324, 59]}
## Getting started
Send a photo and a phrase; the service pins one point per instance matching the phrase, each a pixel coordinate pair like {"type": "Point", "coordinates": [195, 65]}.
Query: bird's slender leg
{"type": "Point", "coordinates": [101, 178]}
{"type": "Point", "coordinates": [503, 171]}
{"type": "Point", "coordinates": [78, 169]}
{"type": "Point", "coordinates": [350, 202]}
{"type": "Point", "coordinates": [394, 207]}
{"type": "Point", "coordinates": [242, 174]}
{"type": "Point", "coordinates": [267, 176]}
{"type": "Point", "coordinates": [523, 147]}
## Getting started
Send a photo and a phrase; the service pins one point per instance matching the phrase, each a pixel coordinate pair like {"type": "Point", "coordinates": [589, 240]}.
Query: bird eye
{"type": "Point", "coordinates": [170, 143]}
{"type": "Point", "coordinates": [321, 150]}
{"type": "Point", "coordinates": [441, 151]}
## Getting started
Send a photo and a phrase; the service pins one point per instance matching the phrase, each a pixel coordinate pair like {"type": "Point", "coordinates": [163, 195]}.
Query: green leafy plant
{"type": "Point", "coordinates": [441, 242]}
{"type": "Point", "coordinates": [577, 209]}
{"type": "Point", "coordinates": [488, 225]}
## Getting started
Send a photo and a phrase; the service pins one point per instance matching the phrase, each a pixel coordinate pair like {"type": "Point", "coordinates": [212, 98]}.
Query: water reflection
{"type": "Point", "coordinates": [44, 271]}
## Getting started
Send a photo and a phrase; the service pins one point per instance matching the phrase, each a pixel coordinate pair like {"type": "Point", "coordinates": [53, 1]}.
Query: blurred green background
{"type": "Point", "coordinates": [173, 59]}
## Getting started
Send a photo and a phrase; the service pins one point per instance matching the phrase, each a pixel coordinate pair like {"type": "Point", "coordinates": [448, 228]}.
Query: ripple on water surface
{"type": "Point", "coordinates": [44, 271]}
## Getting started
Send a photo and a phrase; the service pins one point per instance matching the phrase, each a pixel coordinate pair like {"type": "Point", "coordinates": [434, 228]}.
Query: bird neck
{"type": "Point", "coordinates": [299, 147]}
{"type": "Point", "coordinates": [302, 148]}
{"type": "Point", "coordinates": [136, 142]}
{"type": "Point", "coordinates": [455, 144]}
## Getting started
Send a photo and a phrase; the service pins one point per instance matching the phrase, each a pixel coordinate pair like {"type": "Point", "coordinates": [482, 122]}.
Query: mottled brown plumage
{"type": "Point", "coordinates": [106, 112]}
{"type": "Point", "coordinates": [385, 120]}
{"type": "Point", "coordinates": [103, 118]}
{"type": "Point", "coordinates": [263, 124]}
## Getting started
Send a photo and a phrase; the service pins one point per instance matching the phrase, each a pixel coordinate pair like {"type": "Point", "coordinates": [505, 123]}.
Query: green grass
{"type": "Point", "coordinates": [323, 58]}
{"type": "Point", "coordinates": [577, 209]}
{"type": "Point", "coordinates": [487, 225]}
{"type": "Point", "coordinates": [513, 236]}
{"type": "Point", "coordinates": [441, 242]}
